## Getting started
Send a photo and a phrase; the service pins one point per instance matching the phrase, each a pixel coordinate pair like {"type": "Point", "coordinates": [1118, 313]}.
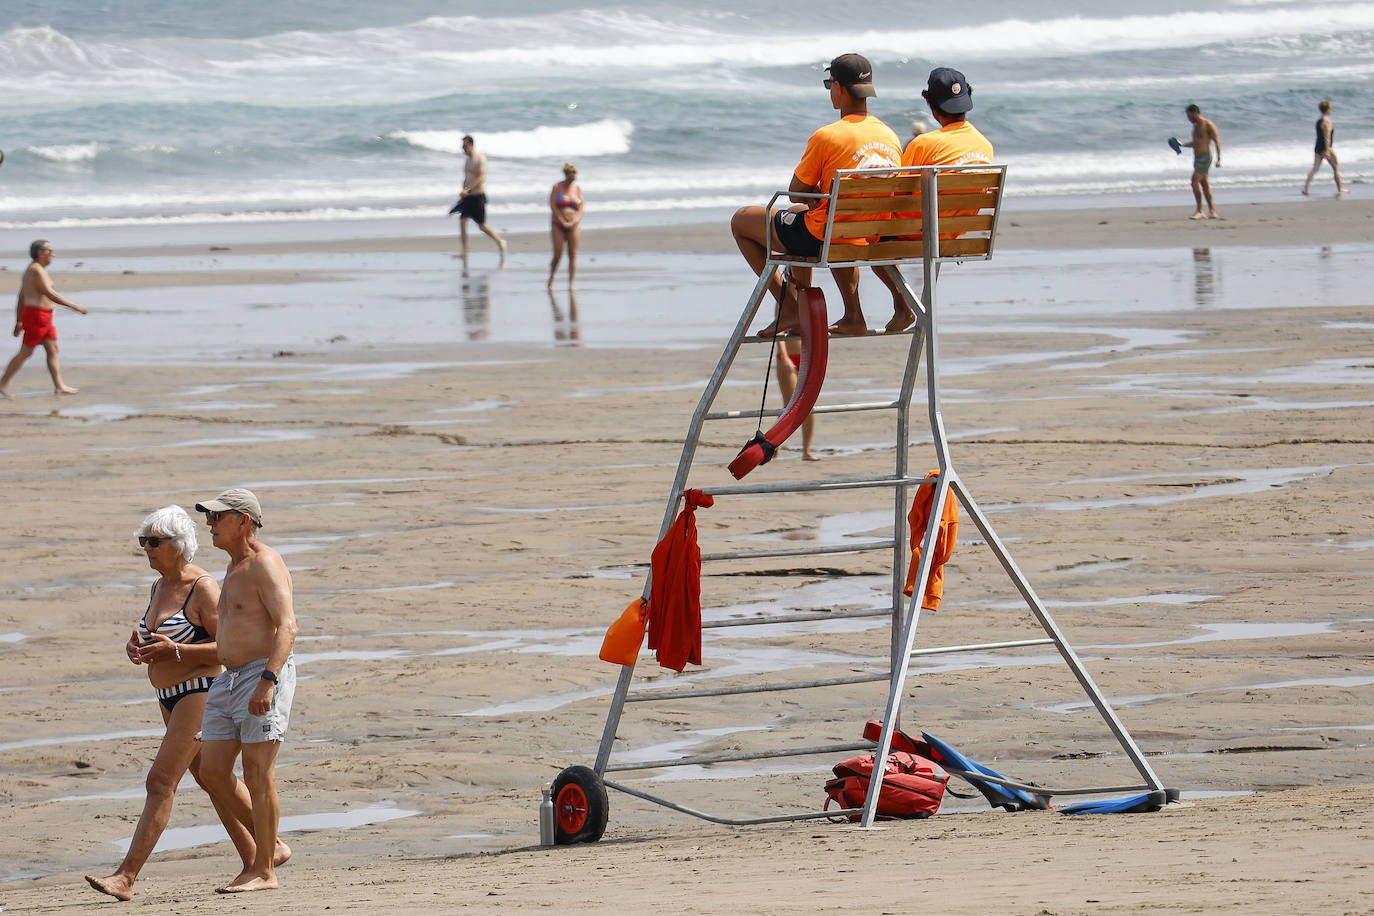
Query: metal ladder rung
{"type": "Point", "coordinates": [982, 647]}
{"type": "Point", "coordinates": [691, 692]}
{"type": "Point", "coordinates": [704, 759]}
{"type": "Point", "coordinates": [650, 696]}
{"type": "Point", "coordinates": [800, 551]}
{"type": "Point", "coordinates": [735, 821]}
{"type": "Point", "coordinates": [799, 617]}
{"type": "Point", "coordinates": [820, 408]}
{"type": "Point", "coordinates": [807, 486]}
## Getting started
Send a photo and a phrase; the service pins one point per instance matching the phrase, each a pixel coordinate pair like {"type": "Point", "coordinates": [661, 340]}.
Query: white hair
{"type": "Point", "coordinates": [173, 522]}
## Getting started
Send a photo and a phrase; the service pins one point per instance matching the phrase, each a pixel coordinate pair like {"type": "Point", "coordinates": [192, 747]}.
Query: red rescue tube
{"type": "Point", "coordinates": [815, 339]}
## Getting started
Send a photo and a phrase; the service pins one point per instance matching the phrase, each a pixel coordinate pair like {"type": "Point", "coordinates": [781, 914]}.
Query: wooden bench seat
{"type": "Point", "coordinates": [886, 208]}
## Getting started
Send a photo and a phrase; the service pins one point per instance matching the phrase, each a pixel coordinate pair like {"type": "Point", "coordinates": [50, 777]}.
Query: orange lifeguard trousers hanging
{"type": "Point", "coordinates": [944, 541]}
{"type": "Point", "coordinates": [675, 589]}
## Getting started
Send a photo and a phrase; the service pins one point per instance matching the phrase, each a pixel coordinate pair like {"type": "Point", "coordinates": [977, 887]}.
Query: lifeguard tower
{"type": "Point", "coordinates": [909, 216]}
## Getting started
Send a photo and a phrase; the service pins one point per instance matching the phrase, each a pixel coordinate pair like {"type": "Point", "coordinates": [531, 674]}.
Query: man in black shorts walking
{"type": "Point", "coordinates": [472, 202]}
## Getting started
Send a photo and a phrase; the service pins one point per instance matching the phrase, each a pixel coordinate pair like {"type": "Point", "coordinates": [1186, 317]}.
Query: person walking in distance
{"type": "Point", "coordinates": [33, 314]}
{"type": "Point", "coordinates": [1204, 136]}
{"type": "Point", "coordinates": [1326, 139]}
{"type": "Point", "coordinates": [472, 201]}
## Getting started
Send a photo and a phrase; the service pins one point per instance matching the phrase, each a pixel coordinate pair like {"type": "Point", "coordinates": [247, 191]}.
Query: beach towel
{"type": "Point", "coordinates": [944, 541]}
{"type": "Point", "coordinates": [675, 590]}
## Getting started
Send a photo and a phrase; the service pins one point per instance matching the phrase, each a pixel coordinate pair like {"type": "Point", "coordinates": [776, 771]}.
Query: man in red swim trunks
{"type": "Point", "coordinates": [33, 318]}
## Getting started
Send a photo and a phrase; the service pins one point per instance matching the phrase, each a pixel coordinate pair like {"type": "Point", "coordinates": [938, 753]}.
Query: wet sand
{"type": "Point", "coordinates": [1187, 488]}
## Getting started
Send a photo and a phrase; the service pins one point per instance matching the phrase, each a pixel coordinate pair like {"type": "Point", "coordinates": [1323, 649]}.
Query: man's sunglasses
{"type": "Point", "coordinates": [213, 517]}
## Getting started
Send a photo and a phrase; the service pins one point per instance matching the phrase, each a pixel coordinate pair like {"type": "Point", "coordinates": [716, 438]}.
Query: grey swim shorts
{"type": "Point", "coordinates": [226, 708]}
{"type": "Point", "coordinates": [1202, 162]}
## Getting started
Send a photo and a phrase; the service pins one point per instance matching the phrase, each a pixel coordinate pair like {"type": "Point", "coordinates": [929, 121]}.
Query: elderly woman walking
{"type": "Point", "coordinates": [175, 639]}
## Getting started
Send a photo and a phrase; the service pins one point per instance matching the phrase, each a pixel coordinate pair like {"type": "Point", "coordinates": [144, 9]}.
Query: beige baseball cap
{"type": "Point", "coordinates": [236, 499]}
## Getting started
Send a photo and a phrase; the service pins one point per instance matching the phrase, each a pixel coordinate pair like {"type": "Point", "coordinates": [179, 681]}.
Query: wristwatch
{"type": "Point", "coordinates": [269, 676]}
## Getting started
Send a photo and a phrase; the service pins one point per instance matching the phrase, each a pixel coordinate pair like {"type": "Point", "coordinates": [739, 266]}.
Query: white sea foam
{"type": "Point", "coordinates": [69, 153]}
{"type": "Point", "coordinates": [607, 137]}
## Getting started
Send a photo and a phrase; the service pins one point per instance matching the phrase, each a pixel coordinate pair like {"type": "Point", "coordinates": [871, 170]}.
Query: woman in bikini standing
{"type": "Point", "coordinates": [565, 201]}
{"type": "Point", "coordinates": [176, 640]}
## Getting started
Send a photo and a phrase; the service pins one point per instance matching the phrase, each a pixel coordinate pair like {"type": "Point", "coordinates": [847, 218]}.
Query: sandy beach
{"type": "Point", "coordinates": [1168, 423]}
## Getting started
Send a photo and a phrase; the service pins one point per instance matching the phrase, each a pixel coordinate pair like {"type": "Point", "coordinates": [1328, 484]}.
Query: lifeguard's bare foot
{"type": "Point", "coordinates": [66, 389]}
{"type": "Point", "coordinates": [117, 886]}
{"type": "Point", "coordinates": [901, 320]}
{"type": "Point", "coordinates": [786, 324]}
{"type": "Point", "coordinates": [850, 328]}
{"type": "Point", "coordinates": [808, 456]}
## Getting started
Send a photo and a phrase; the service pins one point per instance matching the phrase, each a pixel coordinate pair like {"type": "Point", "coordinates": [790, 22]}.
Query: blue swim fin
{"type": "Point", "coordinates": [998, 796]}
{"type": "Point", "coordinates": [1132, 804]}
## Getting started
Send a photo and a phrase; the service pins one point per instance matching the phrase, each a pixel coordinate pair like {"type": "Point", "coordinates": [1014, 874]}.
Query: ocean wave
{"type": "Point", "coordinates": [66, 152]}
{"type": "Point", "coordinates": [589, 49]}
{"type": "Point", "coordinates": [608, 137]}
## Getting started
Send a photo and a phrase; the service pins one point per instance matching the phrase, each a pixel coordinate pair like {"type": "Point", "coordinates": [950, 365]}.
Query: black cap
{"type": "Point", "coordinates": [948, 91]}
{"type": "Point", "coordinates": [854, 73]}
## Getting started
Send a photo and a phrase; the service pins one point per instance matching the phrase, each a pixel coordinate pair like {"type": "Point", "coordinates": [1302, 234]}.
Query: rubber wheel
{"type": "Point", "coordinates": [580, 807]}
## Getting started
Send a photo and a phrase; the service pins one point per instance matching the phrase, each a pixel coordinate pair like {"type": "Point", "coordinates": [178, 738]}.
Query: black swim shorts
{"type": "Point", "coordinates": [473, 207]}
{"type": "Point", "coordinates": [789, 228]}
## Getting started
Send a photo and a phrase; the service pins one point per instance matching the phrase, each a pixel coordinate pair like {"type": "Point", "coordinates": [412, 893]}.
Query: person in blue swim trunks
{"type": "Point", "coordinates": [1204, 137]}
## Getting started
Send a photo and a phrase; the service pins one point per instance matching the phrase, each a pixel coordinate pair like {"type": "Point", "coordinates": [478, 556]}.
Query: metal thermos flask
{"type": "Point", "coordinates": [546, 834]}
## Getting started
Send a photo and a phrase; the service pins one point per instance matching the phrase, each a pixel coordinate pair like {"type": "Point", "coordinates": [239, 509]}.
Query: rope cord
{"type": "Point", "coordinates": [772, 350]}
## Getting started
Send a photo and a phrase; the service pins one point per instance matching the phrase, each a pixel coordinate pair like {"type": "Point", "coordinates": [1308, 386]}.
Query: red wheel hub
{"type": "Point", "coordinates": [572, 808]}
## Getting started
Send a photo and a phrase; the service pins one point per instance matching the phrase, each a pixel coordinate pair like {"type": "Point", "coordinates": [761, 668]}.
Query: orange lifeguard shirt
{"type": "Point", "coordinates": [853, 142]}
{"type": "Point", "coordinates": [959, 143]}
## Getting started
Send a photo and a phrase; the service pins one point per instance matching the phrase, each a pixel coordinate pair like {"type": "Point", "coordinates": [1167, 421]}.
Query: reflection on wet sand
{"type": "Point", "coordinates": [1204, 277]}
{"type": "Point", "coordinates": [476, 299]}
{"type": "Point", "coordinates": [565, 329]}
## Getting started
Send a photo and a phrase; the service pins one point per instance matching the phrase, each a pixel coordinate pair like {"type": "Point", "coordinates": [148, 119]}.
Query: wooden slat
{"type": "Point", "coordinates": [976, 222]}
{"type": "Point", "coordinates": [851, 205]}
{"type": "Point", "coordinates": [965, 247]}
{"type": "Point", "coordinates": [967, 200]}
{"type": "Point", "coordinates": [862, 229]}
{"type": "Point", "coordinates": [966, 181]}
{"type": "Point", "coordinates": [898, 184]}
{"type": "Point", "coordinates": [911, 226]}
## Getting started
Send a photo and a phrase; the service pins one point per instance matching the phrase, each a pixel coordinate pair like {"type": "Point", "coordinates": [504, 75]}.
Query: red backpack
{"type": "Point", "coordinates": [912, 786]}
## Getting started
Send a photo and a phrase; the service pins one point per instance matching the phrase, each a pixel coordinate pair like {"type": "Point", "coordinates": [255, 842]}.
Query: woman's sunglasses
{"type": "Point", "coordinates": [154, 542]}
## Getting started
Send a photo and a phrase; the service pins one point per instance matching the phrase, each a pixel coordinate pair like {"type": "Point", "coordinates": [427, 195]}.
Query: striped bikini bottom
{"type": "Point", "coordinates": [169, 697]}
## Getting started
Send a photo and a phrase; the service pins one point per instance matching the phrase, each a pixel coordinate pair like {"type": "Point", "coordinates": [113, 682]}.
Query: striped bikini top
{"type": "Point", "coordinates": [177, 628]}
